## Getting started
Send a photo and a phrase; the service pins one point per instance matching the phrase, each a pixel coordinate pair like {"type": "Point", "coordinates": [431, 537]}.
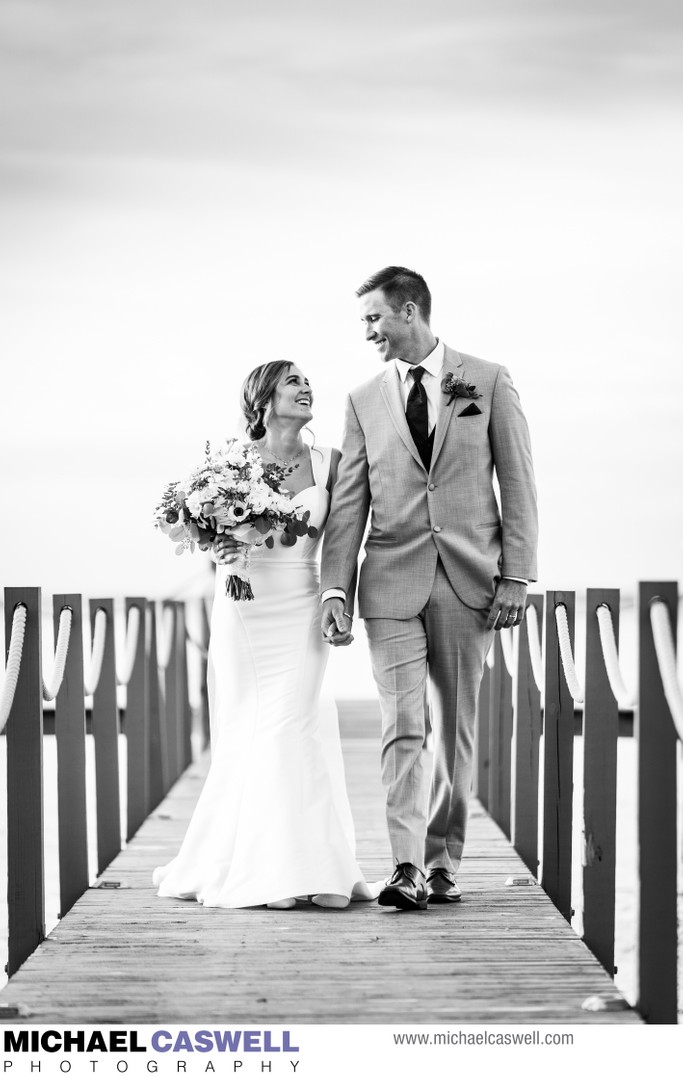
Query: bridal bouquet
{"type": "Point", "coordinates": [231, 490]}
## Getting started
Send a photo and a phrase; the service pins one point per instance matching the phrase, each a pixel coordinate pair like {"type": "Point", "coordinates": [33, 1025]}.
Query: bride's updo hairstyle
{"type": "Point", "coordinates": [257, 393]}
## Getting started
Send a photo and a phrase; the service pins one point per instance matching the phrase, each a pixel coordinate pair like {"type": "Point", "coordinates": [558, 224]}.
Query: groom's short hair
{"type": "Point", "coordinates": [400, 285]}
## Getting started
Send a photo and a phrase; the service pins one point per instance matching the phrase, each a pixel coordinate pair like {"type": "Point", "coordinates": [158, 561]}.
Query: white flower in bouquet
{"type": "Point", "coordinates": [233, 490]}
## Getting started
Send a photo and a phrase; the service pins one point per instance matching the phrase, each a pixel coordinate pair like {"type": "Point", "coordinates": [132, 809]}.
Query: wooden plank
{"type": "Point", "coordinates": [600, 735]}
{"type": "Point", "coordinates": [24, 729]}
{"type": "Point", "coordinates": [558, 762]}
{"type": "Point", "coordinates": [105, 728]}
{"type": "Point", "coordinates": [656, 736]}
{"type": "Point", "coordinates": [503, 955]}
{"type": "Point", "coordinates": [136, 726]}
{"type": "Point", "coordinates": [71, 764]}
{"type": "Point", "coordinates": [528, 725]}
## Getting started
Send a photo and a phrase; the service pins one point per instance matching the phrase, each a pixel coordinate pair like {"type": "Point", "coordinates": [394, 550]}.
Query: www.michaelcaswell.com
{"type": "Point", "coordinates": [485, 1039]}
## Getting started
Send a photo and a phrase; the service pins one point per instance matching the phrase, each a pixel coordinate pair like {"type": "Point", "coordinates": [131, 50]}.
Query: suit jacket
{"type": "Point", "coordinates": [451, 513]}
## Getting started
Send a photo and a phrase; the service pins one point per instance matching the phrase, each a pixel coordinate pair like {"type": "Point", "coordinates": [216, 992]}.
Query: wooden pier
{"type": "Point", "coordinates": [505, 954]}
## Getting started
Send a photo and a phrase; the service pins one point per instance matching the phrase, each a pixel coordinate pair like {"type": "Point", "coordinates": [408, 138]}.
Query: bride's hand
{"type": "Point", "coordinates": [225, 548]}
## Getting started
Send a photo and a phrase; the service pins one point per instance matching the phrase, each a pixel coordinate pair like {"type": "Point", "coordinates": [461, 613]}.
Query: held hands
{"type": "Point", "coordinates": [336, 625]}
{"type": "Point", "coordinates": [507, 608]}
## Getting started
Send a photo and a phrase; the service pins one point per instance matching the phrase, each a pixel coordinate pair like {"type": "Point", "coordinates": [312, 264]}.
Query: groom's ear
{"type": "Point", "coordinates": [410, 309]}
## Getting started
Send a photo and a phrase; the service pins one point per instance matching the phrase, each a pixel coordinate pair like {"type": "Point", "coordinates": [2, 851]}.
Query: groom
{"type": "Point", "coordinates": [444, 565]}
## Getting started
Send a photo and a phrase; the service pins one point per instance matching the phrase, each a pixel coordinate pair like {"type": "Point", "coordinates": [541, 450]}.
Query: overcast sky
{"type": "Point", "coordinates": [189, 190]}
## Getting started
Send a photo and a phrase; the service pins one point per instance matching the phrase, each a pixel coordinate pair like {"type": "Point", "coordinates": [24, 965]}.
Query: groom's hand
{"type": "Point", "coordinates": [507, 608]}
{"type": "Point", "coordinates": [336, 625]}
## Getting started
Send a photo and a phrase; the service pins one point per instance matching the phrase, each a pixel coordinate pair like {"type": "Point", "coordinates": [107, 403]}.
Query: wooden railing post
{"type": "Point", "coordinates": [158, 764]}
{"type": "Point", "coordinates": [481, 740]}
{"type": "Point", "coordinates": [185, 747]}
{"type": "Point", "coordinates": [24, 729]}
{"type": "Point", "coordinates": [204, 632]}
{"type": "Point", "coordinates": [71, 761]}
{"type": "Point", "coordinates": [500, 739]}
{"type": "Point", "coordinates": [171, 704]}
{"type": "Point", "coordinates": [528, 726]}
{"type": "Point", "coordinates": [105, 728]}
{"type": "Point", "coordinates": [600, 734]}
{"type": "Point", "coordinates": [136, 726]}
{"type": "Point", "coordinates": [657, 757]}
{"type": "Point", "coordinates": [558, 762]}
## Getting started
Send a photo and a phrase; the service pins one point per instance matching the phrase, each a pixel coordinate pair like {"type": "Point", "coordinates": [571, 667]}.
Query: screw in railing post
{"type": "Point", "coordinates": [657, 840]}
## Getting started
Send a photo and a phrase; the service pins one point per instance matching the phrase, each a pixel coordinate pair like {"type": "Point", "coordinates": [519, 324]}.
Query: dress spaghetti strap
{"type": "Point", "coordinates": [321, 457]}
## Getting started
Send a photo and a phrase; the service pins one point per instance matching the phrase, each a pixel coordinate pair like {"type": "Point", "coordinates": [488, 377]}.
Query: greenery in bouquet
{"type": "Point", "coordinates": [233, 488]}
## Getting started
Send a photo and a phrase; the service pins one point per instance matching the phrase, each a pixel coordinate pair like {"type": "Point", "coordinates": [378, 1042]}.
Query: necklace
{"type": "Point", "coordinates": [288, 465]}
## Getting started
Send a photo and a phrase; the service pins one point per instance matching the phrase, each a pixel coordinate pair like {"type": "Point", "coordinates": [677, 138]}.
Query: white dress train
{"type": "Point", "coordinates": [273, 820]}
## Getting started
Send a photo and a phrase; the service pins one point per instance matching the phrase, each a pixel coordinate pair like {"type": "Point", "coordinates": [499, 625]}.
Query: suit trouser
{"type": "Point", "coordinates": [445, 646]}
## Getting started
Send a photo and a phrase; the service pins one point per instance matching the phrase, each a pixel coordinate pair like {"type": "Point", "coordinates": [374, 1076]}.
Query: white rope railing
{"type": "Point", "coordinates": [91, 678]}
{"type": "Point", "coordinates": [507, 647]}
{"type": "Point", "coordinates": [132, 633]}
{"type": "Point", "coordinates": [167, 639]}
{"type": "Point", "coordinates": [666, 659]}
{"type": "Point", "coordinates": [570, 674]}
{"type": "Point", "coordinates": [51, 688]}
{"type": "Point", "coordinates": [610, 655]}
{"type": "Point", "coordinates": [203, 650]}
{"type": "Point", "coordinates": [16, 649]}
{"type": "Point", "coordinates": [534, 638]}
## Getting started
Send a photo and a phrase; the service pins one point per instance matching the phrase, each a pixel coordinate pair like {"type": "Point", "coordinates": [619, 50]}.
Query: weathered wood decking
{"type": "Point", "coordinates": [505, 954]}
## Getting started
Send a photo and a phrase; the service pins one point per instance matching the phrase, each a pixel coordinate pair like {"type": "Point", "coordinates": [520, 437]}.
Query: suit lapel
{"type": "Point", "coordinates": [452, 364]}
{"type": "Point", "coordinates": [391, 392]}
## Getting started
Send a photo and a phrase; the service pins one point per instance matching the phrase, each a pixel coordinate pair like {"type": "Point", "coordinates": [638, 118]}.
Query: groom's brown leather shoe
{"type": "Point", "coordinates": [405, 889]}
{"type": "Point", "coordinates": [442, 888]}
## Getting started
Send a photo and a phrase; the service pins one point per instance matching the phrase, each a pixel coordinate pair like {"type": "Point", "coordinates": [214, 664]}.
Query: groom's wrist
{"type": "Point", "coordinates": [333, 592]}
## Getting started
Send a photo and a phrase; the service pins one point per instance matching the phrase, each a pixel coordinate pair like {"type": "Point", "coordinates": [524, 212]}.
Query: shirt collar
{"type": "Point", "coordinates": [432, 363]}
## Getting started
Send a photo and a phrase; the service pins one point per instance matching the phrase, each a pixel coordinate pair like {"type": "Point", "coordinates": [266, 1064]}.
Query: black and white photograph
{"type": "Point", "coordinates": [342, 398]}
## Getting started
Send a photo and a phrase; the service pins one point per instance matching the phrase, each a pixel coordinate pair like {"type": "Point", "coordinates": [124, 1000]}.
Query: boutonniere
{"type": "Point", "coordinates": [457, 387]}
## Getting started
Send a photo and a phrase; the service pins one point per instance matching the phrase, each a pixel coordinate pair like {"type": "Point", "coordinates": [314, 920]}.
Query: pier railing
{"type": "Point", "coordinates": [533, 702]}
{"type": "Point", "coordinates": [86, 684]}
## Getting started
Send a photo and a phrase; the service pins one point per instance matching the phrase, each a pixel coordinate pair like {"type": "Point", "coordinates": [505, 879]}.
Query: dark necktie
{"type": "Point", "coordinates": [418, 417]}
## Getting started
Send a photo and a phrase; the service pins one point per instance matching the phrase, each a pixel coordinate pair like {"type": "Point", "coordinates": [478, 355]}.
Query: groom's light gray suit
{"type": "Point", "coordinates": [435, 549]}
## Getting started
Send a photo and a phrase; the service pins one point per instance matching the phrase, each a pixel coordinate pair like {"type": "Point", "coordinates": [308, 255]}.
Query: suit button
{"type": "Point", "coordinates": [431, 486]}
{"type": "Point", "coordinates": [437, 528]}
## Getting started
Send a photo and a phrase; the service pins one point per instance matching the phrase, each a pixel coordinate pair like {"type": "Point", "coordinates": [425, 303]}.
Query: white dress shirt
{"type": "Point", "coordinates": [431, 379]}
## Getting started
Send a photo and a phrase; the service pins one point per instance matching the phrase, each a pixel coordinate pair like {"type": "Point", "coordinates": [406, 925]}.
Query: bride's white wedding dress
{"type": "Point", "coordinates": [273, 820]}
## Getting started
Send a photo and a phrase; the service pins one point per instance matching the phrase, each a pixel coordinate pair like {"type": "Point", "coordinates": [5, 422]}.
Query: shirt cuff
{"type": "Point", "coordinates": [517, 579]}
{"type": "Point", "coordinates": [333, 592]}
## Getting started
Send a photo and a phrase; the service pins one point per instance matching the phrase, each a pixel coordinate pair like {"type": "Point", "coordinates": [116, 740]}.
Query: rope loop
{"type": "Point", "coordinates": [610, 655]}
{"type": "Point", "coordinates": [166, 643]}
{"type": "Point", "coordinates": [507, 645]}
{"type": "Point", "coordinates": [92, 676]}
{"type": "Point", "coordinates": [570, 674]}
{"type": "Point", "coordinates": [132, 633]}
{"type": "Point", "coordinates": [50, 690]}
{"type": "Point", "coordinates": [666, 660]}
{"type": "Point", "coordinates": [15, 651]}
{"type": "Point", "coordinates": [534, 638]}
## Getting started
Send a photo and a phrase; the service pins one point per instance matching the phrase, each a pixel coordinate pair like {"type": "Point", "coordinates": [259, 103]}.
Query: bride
{"type": "Point", "coordinates": [273, 823]}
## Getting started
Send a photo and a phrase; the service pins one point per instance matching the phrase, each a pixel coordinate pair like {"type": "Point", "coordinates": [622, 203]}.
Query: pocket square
{"type": "Point", "coordinates": [471, 410]}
